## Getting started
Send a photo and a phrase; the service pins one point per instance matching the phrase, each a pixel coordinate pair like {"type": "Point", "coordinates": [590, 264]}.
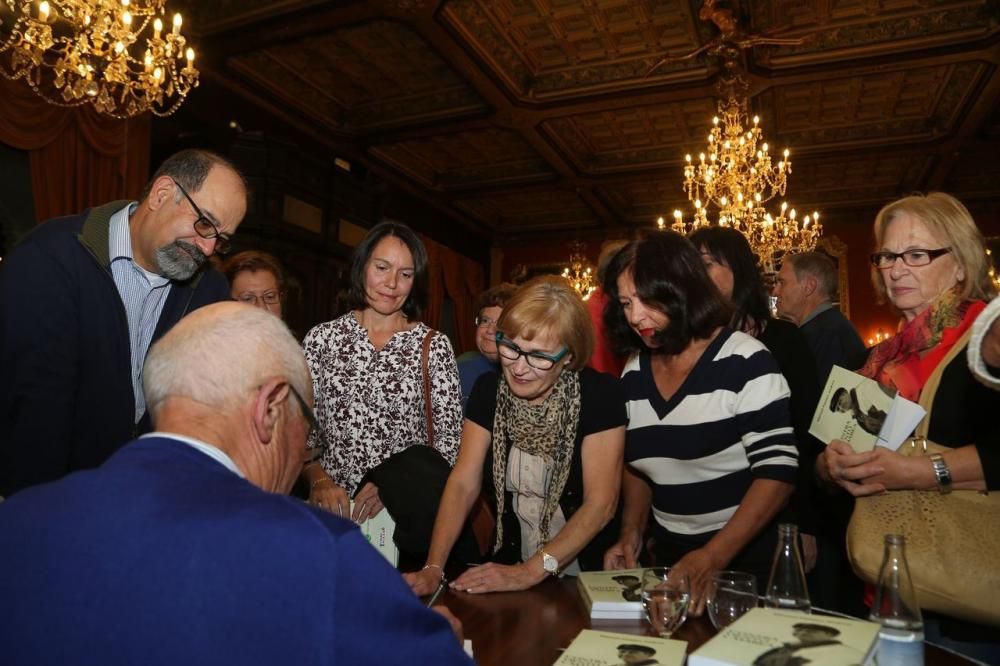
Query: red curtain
{"type": "Point", "coordinates": [78, 157]}
{"type": "Point", "coordinates": [461, 279]}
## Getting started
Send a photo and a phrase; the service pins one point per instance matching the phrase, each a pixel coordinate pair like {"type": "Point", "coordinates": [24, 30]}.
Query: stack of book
{"type": "Point", "coordinates": [612, 595]}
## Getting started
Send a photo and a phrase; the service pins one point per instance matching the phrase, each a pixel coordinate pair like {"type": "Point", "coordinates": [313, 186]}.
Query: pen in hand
{"type": "Point", "coordinates": [437, 593]}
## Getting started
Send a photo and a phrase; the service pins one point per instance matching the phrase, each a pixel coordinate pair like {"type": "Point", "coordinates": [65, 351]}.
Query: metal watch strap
{"type": "Point", "coordinates": [941, 472]}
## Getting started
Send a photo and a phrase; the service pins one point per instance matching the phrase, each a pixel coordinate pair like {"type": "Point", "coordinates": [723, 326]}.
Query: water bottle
{"type": "Point", "coordinates": [901, 638]}
{"type": "Point", "coordinates": [786, 586]}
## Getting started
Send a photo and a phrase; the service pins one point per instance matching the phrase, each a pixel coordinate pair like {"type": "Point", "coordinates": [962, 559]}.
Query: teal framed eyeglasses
{"type": "Point", "coordinates": [536, 359]}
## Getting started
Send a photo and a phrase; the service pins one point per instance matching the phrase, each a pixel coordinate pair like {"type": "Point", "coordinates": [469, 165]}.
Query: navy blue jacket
{"type": "Point", "coordinates": [66, 399]}
{"type": "Point", "coordinates": [164, 556]}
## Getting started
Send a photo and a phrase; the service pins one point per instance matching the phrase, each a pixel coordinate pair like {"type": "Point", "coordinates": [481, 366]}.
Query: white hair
{"type": "Point", "coordinates": [219, 353]}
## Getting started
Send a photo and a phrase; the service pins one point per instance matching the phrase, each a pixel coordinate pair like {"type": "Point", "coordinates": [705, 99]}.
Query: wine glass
{"type": "Point", "coordinates": [730, 595]}
{"type": "Point", "coordinates": [665, 596]}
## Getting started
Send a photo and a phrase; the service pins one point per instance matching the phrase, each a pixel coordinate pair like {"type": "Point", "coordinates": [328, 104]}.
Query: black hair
{"type": "Point", "coordinates": [836, 398]}
{"type": "Point", "coordinates": [833, 631]}
{"type": "Point", "coordinates": [728, 246]}
{"type": "Point", "coordinates": [415, 303]}
{"type": "Point", "coordinates": [669, 276]}
{"type": "Point", "coordinates": [190, 167]}
{"type": "Point", "coordinates": [639, 648]}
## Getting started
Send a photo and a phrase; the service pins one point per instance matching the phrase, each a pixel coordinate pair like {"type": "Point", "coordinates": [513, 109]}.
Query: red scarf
{"type": "Point", "coordinates": [905, 361]}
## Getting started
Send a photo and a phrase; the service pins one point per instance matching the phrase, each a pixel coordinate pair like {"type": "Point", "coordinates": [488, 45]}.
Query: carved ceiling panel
{"type": "Point", "coordinates": [378, 74]}
{"type": "Point", "coordinates": [915, 104]}
{"type": "Point", "coordinates": [464, 159]}
{"type": "Point", "coordinates": [628, 138]}
{"type": "Point", "coordinates": [545, 210]}
{"type": "Point", "coordinates": [849, 28]}
{"type": "Point", "coordinates": [840, 180]}
{"type": "Point", "coordinates": [640, 202]}
{"type": "Point", "coordinates": [553, 48]}
{"type": "Point", "coordinates": [519, 117]}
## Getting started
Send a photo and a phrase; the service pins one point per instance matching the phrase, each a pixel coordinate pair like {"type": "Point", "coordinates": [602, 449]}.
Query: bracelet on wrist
{"type": "Point", "coordinates": [434, 566]}
{"type": "Point", "coordinates": [319, 481]}
{"type": "Point", "coordinates": [942, 473]}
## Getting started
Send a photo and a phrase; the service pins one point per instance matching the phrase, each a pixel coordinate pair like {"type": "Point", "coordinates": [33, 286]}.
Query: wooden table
{"type": "Point", "coordinates": [531, 628]}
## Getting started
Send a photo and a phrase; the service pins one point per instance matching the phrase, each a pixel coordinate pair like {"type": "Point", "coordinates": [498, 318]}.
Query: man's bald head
{"type": "Point", "coordinates": [218, 354]}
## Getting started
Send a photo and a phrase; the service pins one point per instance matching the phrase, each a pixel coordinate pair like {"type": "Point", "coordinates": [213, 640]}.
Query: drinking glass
{"type": "Point", "coordinates": [665, 596]}
{"type": "Point", "coordinates": [730, 595]}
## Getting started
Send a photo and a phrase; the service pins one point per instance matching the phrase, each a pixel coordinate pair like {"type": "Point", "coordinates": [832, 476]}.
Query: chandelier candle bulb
{"type": "Point", "coordinates": [177, 23]}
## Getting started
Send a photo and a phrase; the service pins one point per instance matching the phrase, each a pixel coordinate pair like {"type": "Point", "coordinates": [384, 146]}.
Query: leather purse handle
{"type": "Point", "coordinates": [425, 368]}
{"type": "Point", "coordinates": [931, 385]}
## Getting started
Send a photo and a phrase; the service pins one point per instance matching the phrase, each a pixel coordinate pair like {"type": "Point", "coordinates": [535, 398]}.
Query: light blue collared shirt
{"type": "Point", "coordinates": [820, 309]}
{"type": "Point", "coordinates": [143, 295]}
{"type": "Point", "coordinates": [213, 452]}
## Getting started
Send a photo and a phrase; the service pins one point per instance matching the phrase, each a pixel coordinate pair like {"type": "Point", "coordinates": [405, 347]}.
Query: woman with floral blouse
{"type": "Point", "coordinates": [368, 378]}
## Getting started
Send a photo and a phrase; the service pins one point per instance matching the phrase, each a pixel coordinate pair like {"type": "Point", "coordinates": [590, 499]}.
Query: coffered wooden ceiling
{"type": "Point", "coordinates": [523, 117]}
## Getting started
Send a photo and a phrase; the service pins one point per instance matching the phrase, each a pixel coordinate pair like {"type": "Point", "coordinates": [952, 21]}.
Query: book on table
{"type": "Point", "coordinates": [604, 648]}
{"type": "Point", "coordinates": [379, 532]}
{"type": "Point", "coordinates": [612, 595]}
{"type": "Point", "coordinates": [860, 411]}
{"type": "Point", "coordinates": [772, 637]}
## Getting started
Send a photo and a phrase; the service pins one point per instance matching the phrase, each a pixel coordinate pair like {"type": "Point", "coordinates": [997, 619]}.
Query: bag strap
{"type": "Point", "coordinates": [425, 368]}
{"type": "Point", "coordinates": [931, 385]}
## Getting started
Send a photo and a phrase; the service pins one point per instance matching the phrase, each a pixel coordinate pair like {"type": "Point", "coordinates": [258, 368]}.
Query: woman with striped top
{"type": "Point", "coordinates": [709, 444]}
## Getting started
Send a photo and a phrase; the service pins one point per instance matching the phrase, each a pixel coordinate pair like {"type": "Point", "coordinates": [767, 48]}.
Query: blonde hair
{"type": "Point", "coordinates": [950, 222]}
{"type": "Point", "coordinates": [548, 303]}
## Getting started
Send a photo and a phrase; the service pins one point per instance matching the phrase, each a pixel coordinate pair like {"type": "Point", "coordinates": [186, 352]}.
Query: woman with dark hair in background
{"type": "Point", "coordinates": [368, 374]}
{"type": "Point", "coordinates": [256, 278]}
{"type": "Point", "coordinates": [734, 269]}
{"type": "Point", "coordinates": [709, 445]}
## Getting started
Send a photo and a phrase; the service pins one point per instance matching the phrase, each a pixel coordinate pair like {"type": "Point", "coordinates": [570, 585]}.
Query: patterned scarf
{"type": "Point", "coordinates": [905, 361]}
{"type": "Point", "coordinates": [547, 430]}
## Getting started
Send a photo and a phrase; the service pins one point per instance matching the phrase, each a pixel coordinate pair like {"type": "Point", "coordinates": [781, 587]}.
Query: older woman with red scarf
{"type": "Point", "coordinates": [931, 265]}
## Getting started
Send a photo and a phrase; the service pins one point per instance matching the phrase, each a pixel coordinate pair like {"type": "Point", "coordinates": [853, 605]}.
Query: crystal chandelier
{"type": "Point", "coordinates": [737, 175]}
{"type": "Point", "coordinates": [74, 52]}
{"type": "Point", "coordinates": [579, 272]}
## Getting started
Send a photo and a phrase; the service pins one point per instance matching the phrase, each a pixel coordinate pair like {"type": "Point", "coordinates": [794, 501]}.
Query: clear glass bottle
{"type": "Point", "coordinates": [901, 639]}
{"type": "Point", "coordinates": [786, 586]}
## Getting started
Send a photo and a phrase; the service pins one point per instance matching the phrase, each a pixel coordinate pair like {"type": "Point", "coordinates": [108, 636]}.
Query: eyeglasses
{"type": "Point", "coordinates": [316, 452]}
{"type": "Point", "coordinates": [485, 322]}
{"type": "Point", "coordinates": [269, 298]}
{"type": "Point", "coordinates": [536, 359]}
{"type": "Point", "coordinates": [914, 258]}
{"type": "Point", "coordinates": [205, 227]}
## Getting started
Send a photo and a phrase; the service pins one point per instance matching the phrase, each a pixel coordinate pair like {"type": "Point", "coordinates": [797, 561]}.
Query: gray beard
{"type": "Point", "coordinates": [179, 260]}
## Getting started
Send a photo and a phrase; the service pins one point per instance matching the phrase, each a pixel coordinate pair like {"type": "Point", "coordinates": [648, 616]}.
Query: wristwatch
{"type": "Point", "coordinates": [550, 564]}
{"type": "Point", "coordinates": [941, 472]}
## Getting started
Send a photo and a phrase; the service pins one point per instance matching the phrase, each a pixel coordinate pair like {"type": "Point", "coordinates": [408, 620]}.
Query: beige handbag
{"type": "Point", "coordinates": [952, 540]}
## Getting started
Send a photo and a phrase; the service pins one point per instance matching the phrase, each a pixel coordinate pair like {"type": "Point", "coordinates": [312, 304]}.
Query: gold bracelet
{"type": "Point", "coordinates": [319, 481]}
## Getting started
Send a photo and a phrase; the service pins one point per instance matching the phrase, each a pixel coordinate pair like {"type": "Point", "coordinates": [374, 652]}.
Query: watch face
{"type": "Point", "coordinates": [549, 563]}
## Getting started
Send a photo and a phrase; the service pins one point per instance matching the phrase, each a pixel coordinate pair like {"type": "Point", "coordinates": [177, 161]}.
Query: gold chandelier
{"type": "Point", "coordinates": [579, 272]}
{"type": "Point", "coordinates": [736, 175]}
{"type": "Point", "coordinates": [74, 52]}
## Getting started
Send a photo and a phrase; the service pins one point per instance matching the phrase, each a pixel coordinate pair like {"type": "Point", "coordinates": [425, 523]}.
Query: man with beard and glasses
{"type": "Point", "coordinates": [82, 298]}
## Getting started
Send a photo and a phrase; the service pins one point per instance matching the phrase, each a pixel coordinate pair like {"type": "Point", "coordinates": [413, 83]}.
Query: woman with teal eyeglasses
{"type": "Point", "coordinates": [543, 441]}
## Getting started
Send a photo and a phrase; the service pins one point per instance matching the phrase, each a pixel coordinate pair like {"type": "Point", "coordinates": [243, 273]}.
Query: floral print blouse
{"type": "Point", "coordinates": [370, 404]}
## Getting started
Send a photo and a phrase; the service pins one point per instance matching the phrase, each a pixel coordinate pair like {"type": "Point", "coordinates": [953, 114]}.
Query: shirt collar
{"type": "Point", "coordinates": [119, 239]}
{"type": "Point", "coordinates": [209, 450]}
{"type": "Point", "coordinates": [120, 244]}
{"type": "Point", "coordinates": [820, 309]}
